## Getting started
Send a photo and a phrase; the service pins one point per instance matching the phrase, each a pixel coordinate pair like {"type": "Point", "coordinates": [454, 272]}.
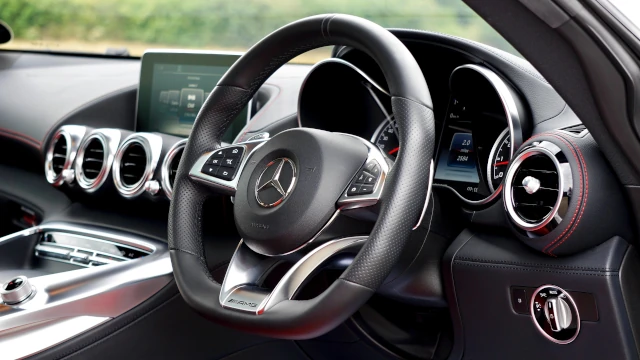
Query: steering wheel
{"type": "Point", "coordinates": [290, 188]}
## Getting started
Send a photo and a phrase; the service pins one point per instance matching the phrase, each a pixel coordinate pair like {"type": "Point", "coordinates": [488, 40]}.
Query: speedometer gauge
{"type": "Point", "coordinates": [499, 160]}
{"type": "Point", "coordinates": [386, 139]}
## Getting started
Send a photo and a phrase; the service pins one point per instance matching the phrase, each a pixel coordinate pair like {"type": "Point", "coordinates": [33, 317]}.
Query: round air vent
{"type": "Point", "coordinates": [135, 163]}
{"type": "Point", "coordinates": [95, 157]}
{"type": "Point", "coordinates": [535, 195]}
{"type": "Point", "coordinates": [62, 152]}
{"type": "Point", "coordinates": [170, 166]}
{"type": "Point", "coordinates": [93, 160]}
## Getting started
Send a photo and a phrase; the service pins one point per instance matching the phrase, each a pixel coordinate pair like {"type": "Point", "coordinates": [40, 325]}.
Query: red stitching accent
{"type": "Point", "coordinates": [584, 203]}
{"type": "Point", "coordinates": [20, 137]}
{"type": "Point", "coordinates": [580, 192]}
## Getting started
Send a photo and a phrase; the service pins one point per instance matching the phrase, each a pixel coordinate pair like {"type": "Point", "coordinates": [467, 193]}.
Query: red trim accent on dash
{"type": "Point", "coordinates": [20, 137]}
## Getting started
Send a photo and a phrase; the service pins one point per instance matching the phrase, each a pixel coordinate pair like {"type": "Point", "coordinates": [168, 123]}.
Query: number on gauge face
{"type": "Point", "coordinates": [386, 139]}
{"type": "Point", "coordinates": [499, 160]}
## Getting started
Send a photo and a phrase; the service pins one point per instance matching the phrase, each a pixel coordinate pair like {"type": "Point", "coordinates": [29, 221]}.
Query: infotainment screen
{"type": "Point", "coordinates": [173, 87]}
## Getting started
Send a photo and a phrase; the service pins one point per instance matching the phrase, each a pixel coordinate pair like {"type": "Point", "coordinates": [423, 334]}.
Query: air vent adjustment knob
{"type": "Point", "coordinates": [152, 187]}
{"type": "Point", "coordinates": [16, 290]}
{"type": "Point", "coordinates": [69, 175]}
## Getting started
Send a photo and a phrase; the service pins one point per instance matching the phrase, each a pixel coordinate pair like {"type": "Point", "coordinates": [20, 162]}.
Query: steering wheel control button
{"type": "Point", "coordinates": [210, 169]}
{"type": "Point", "coordinates": [369, 179]}
{"type": "Point", "coordinates": [219, 153]}
{"type": "Point", "coordinates": [224, 173]}
{"type": "Point", "coordinates": [366, 189]}
{"type": "Point", "coordinates": [361, 176]}
{"type": "Point", "coordinates": [353, 190]}
{"type": "Point", "coordinates": [230, 162]}
{"type": "Point", "coordinates": [215, 161]}
{"type": "Point", "coordinates": [555, 314]}
{"type": "Point", "coordinates": [373, 168]}
{"type": "Point", "coordinates": [234, 152]}
{"type": "Point", "coordinates": [16, 290]}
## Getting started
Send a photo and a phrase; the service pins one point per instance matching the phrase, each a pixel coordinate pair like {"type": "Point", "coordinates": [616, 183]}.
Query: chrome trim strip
{"type": "Point", "coordinates": [241, 286]}
{"type": "Point", "coordinates": [293, 280]}
{"type": "Point", "coordinates": [66, 252]}
{"type": "Point", "coordinates": [494, 148]}
{"type": "Point", "coordinates": [341, 62]}
{"type": "Point", "coordinates": [110, 139]}
{"type": "Point", "coordinates": [224, 186]}
{"type": "Point", "coordinates": [426, 202]}
{"type": "Point", "coordinates": [86, 292]}
{"type": "Point", "coordinates": [508, 195]}
{"type": "Point", "coordinates": [347, 202]}
{"type": "Point", "coordinates": [152, 145]}
{"type": "Point", "coordinates": [514, 120]}
{"type": "Point", "coordinates": [245, 270]}
{"type": "Point", "coordinates": [73, 134]}
{"type": "Point", "coordinates": [167, 187]}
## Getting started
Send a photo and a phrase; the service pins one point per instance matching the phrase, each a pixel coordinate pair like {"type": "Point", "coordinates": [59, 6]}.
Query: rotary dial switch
{"type": "Point", "coordinates": [555, 314]}
{"type": "Point", "coordinates": [16, 290]}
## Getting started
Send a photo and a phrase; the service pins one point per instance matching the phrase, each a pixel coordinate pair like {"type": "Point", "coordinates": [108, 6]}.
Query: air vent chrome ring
{"type": "Point", "coordinates": [109, 139]}
{"type": "Point", "coordinates": [552, 218]}
{"type": "Point", "coordinates": [152, 145]}
{"type": "Point", "coordinates": [72, 135]}
{"type": "Point", "coordinates": [176, 149]}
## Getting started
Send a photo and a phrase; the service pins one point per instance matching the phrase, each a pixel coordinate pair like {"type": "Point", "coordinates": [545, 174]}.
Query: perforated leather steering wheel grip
{"type": "Point", "coordinates": [404, 193]}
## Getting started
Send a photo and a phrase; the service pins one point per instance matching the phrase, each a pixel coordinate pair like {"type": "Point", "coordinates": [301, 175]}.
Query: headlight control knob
{"type": "Point", "coordinates": [16, 290]}
{"type": "Point", "coordinates": [555, 314]}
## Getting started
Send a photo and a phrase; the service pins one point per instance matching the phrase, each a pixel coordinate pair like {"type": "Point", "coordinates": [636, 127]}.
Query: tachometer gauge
{"type": "Point", "coordinates": [386, 138]}
{"type": "Point", "coordinates": [499, 160]}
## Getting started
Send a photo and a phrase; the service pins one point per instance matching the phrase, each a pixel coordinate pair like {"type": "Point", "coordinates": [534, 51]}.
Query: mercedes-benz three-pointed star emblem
{"type": "Point", "coordinates": [275, 184]}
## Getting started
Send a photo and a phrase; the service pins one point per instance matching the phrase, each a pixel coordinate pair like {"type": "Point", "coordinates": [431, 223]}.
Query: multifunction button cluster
{"type": "Point", "coordinates": [224, 163]}
{"type": "Point", "coordinates": [365, 182]}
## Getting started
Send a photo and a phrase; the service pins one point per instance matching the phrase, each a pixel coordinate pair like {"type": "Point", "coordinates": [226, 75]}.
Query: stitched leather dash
{"type": "Point", "coordinates": [584, 201]}
{"type": "Point", "coordinates": [577, 213]}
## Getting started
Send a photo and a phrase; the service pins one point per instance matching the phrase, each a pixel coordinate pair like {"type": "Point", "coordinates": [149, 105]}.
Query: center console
{"type": "Point", "coordinates": [61, 279]}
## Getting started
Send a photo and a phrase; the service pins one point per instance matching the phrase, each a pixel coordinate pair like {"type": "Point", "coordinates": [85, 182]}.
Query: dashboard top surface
{"type": "Point", "coordinates": [101, 93]}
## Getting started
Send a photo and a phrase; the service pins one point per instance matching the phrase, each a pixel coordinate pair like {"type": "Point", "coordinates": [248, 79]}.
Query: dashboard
{"type": "Point", "coordinates": [112, 139]}
{"type": "Point", "coordinates": [482, 118]}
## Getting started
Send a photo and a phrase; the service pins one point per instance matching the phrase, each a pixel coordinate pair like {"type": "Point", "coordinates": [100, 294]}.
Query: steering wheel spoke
{"type": "Point", "coordinates": [242, 286]}
{"type": "Point", "coordinates": [221, 169]}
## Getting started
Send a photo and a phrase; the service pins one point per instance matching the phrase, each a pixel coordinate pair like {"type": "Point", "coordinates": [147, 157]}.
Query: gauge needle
{"type": "Point", "coordinates": [501, 163]}
{"type": "Point", "coordinates": [394, 151]}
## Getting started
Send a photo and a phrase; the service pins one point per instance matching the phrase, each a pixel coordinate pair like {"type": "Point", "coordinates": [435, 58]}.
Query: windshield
{"type": "Point", "coordinates": [129, 27]}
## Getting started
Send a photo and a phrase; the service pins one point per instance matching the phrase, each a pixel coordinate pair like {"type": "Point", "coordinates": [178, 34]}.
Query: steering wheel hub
{"type": "Point", "coordinates": [290, 186]}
